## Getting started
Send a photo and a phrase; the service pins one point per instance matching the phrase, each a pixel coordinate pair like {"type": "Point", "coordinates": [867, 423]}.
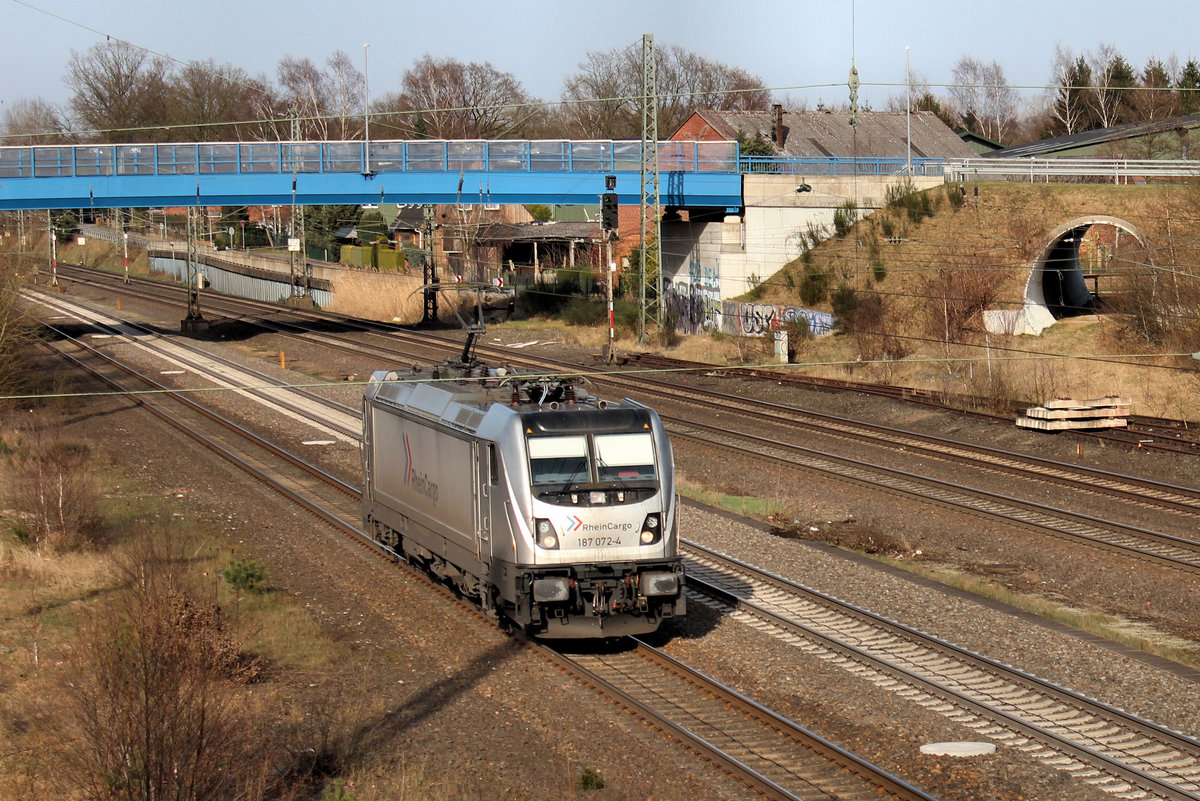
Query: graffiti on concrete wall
{"type": "Point", "coordinates": [759, 319]}
{"type": "Point", "coordinates": [697, 303]}
{"type": "Point", "coordinates": [697, 307]}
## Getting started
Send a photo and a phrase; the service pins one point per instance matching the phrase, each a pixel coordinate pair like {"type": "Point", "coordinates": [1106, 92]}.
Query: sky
{"type": "Point", "coordinates": [802, 49]}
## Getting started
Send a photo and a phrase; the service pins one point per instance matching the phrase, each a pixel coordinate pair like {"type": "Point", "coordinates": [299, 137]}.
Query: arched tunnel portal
{"type": "Point", "coordinates": [1075, 252]}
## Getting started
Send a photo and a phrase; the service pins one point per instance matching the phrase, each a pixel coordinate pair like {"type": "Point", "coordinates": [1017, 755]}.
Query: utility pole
{"type": "Point", "coordinates": [124, 240]}
{"type": "Point", "coordinates": [609, 221]}
{"type": "Point", "coordinates": [194, 323]}
{"type": "Point", "coordinates": [299, 274]}
{"type": "Point", "coordinates": [366, 115]}
{"type": "Point", "coordinates": [53, 249]}
{"type": "Point", "coordinates": [430, 280]}
{"type": "Point", "coordinates": [908, 109]}
{"type": "Point", "coordinates": [650, 209]}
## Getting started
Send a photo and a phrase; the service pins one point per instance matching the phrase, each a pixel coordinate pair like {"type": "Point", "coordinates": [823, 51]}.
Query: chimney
{"type": "Point", "coordinates": [778, 109]}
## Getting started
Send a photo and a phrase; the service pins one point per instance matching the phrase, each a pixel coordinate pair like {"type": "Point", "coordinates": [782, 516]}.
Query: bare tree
{"type": "Point", "coordinates": [688, 81]}
{"type": "Point", "coordinates": [120, 92]}
{"type": "Point", "coordinates": [32, 122]}
{"type": "Point", "coordinates": [306, 94]}
{"type": "Point", "coordinates": [983, 99]}
{"type": "Point", "coordinates": [1070, 77]}
{"type": "Point", "coordinates": [345, 96]}
{"type": "Point", "coordinates": [1153, 99]}
{"type": "Point", "coordinates": [444, 98]}
{"type": "Point", "coordinates": [1111, 79]}
{"type": "Point", "coordinates": [18, 332]}
{"type": "Point", "coordinates": [918, 88]}
{"type": "Point", "coordinates": [154, 704]}
{"type": "Point", "coordinates": [206, 97]}
{"type": "Point", "coordinates": [604, 98]}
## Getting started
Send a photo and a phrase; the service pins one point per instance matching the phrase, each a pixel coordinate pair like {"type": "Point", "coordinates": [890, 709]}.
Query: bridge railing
{"type": "Point", "coordinates": [834, 165]}
{"type": "Point", "coordinates": [434, 155]}
{"type": "Point", "coordinates": [1069, 168]}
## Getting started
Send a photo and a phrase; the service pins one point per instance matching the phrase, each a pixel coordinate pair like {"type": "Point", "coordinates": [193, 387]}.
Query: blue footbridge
{"type": "Point", "coordinates": [552, 172]}
{"type": "Point", "coordinates": [564, 172]}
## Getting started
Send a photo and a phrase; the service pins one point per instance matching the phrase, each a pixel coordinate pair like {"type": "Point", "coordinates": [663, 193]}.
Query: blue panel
{"type": "Point", "coordinates": [692, 174]}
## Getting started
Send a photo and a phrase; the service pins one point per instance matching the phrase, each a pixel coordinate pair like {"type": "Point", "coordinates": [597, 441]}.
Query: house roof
{"type": "Point", "coordinates": [1099, 136]}
{"type": "Point", "coordinates": [829, 133]}
{"type": "Point", "coordinates": [542, 231]}
{"type": "Point", "coordinates": [408, 218]}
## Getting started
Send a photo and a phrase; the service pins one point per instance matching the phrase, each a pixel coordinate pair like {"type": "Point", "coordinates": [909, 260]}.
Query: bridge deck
{"type": "Point", "coordinates": [692, 174]}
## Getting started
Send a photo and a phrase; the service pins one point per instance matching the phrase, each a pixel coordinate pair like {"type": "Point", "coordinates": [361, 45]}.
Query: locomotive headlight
{"type": "Point", "coordinates": [546, 536]}
{"type": "Point", "coordinates": [659, 584]}
{"type": "Point", "coordinates": [550, 590]}
{"type": "Point", "coordinates": [651, 530]}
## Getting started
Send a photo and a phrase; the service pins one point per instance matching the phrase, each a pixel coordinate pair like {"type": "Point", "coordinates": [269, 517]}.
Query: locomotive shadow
{"type": "Point", "coordinates": [424, 702]}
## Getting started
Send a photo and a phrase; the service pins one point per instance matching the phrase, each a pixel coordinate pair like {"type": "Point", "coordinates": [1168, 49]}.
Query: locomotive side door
{"type": "Point", "coordinates": [486, 479]}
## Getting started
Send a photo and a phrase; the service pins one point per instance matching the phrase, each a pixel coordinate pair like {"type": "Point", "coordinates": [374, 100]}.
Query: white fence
{"type": "Point", "coordinates": [1033, 170]}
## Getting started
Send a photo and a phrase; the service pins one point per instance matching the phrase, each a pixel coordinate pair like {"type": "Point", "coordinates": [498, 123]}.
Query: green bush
{"type": "Point", "coordinates": [590, 780]}
{"type": "Point", "coordinates": [246, 575]}
{"type": "Point", "coordinates": [757, 287]}
{"type": "Point", "coordinates": [540, 300]}
{"type": "Point", "coordinates": [955, 194]}
{"type": "Point", "coordinates": [66, 227]}
{"type": "Point", "coordinates": [814, 285]}
{"type": "Point", "coordinates": [844, 217]}
{"type": "Point", "coordinates": [581, 311]}
{"type": "Point", "coordinates": [845, 303]}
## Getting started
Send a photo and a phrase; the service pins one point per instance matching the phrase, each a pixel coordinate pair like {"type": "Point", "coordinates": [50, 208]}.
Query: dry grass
{"type": "Point", "coordinates": [388, 297]}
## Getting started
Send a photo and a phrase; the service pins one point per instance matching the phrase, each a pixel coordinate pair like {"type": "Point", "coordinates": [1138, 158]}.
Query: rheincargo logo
{"type": "Point", "coordinates": [593, 528]}
{"type": "Point", "coordinates": [419, 484]}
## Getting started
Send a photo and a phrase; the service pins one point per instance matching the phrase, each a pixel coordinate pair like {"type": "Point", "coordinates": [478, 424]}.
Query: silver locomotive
{"type": "Point", "coordinates": [552, 508]}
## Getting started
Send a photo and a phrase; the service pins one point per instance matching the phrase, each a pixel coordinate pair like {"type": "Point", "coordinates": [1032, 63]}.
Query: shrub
{"type": "Point", "coordinates": [845, 302]}
{"type": "Point", "coordinates": [53, 488]}
{"type": "Point", "coordinates": [844, 217]}
{"type": "Point", "coordinates": [956, 195]}
{"type": "Point", "coordinates": [757, 287]}
{"type": "Point", "coordinates": [590, 780]}
{"type": "Point", "coordinates": [814, 285]}
{"type": "Point", "coordinates": [246, 575]}
{"type": "Point", "coordinates": [581, 311]}
{"type": "Point", "coordinates": [798, 332]}
{"type": "Point", "coordinates": [878, 270]}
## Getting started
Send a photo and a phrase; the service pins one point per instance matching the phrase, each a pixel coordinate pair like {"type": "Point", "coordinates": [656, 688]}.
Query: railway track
{"type": "Point", "coordinates": [1119, 753]}
{"type": "Point", "coordinates": [1149, 433]}
{"type": "Point", "coordinates": [743, 417]}
{"type": "Point", "coordinates": [773, 756]}
{"type": "Point", "coordinates": [1152, 546]}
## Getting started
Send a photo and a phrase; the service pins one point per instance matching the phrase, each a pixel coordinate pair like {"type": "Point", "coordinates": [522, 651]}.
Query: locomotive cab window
{"type": "Point", "coordinates": [625, 457]}
{"type": "Point", "coordinates": [558, 460]}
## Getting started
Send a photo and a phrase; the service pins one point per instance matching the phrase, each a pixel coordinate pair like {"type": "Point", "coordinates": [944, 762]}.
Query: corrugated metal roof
{"type": "Point", "coordinates": [1099, 136]}
{"type": "Point", "coordinates": [879, 134]}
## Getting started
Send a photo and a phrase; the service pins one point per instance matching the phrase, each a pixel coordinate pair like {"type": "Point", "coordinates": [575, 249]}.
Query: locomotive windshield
{"type": "Point", "coordinates": [595, 460]}
{"type": "Point", "coordinates": [558, 460]}
{"type": "Point", "coordinates": [625, 457]}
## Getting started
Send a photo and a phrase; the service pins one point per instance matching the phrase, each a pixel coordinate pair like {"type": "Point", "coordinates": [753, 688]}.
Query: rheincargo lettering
{"type": "Point", "coordinates": [590, 527]}
{"type": "Point", "coordinates": [423, 486]}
